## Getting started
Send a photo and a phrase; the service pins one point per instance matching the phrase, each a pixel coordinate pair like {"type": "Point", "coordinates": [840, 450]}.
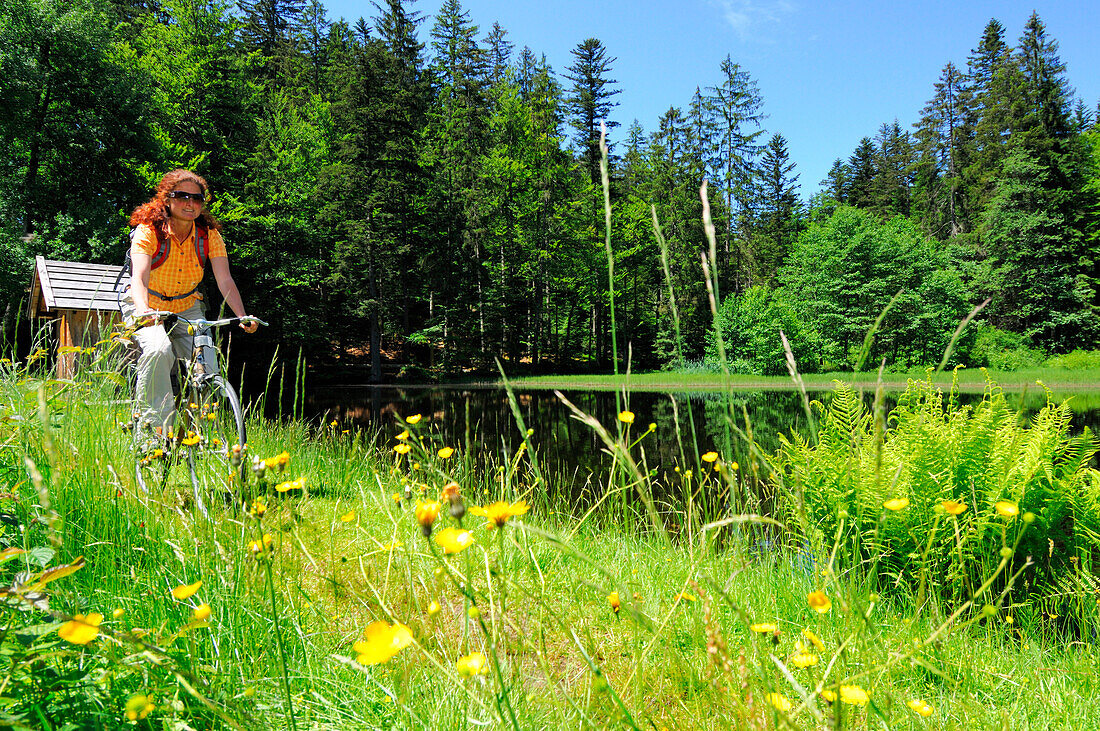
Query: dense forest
{"type": "Point", "coordinates": [424, 195]}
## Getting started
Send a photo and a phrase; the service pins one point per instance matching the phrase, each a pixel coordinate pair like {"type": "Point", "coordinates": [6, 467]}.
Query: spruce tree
{"type": "Point", "coordinates": [780, 209]}
{"type": "Point", "coordinates": [861, 170]}
{"type": "Point", "coordinates": [943, 139]}
{"type": "Point", "coordinates": [590, 101]}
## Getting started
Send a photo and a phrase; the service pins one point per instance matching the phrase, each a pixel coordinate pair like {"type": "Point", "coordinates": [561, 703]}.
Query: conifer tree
{"type": "Point", "coordinates": [861, 167]}
{"type": "Point", "coordinates": [734, 111]}
{"type": "Point", "coordinates": [779, 213]}
{"type": "Point", "coordinates": [591, 101]}
{"type": "Point", "coordinates": [943, 139]}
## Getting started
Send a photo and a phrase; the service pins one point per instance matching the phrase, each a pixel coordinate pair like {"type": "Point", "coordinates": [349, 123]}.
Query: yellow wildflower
{"type": "Point", "coordinates": [819, 601]}
{"type": "Point", "coordinates": [427, 511]}
{"type": "Point", "coordinates": [778, 701]}
{"type": "Point", "coordinates": [1006, 509]}
{"type": "Point", "coordinates": [626, 417]}
{"type": "Point", "coordinates": [138, 707]}
{"type": "Point", "coordinates": [186, 591]}
{"type": "Point", "coordinates": [685, 596]}
{"type": "Point", "coordinates": [763, 627]}
{"type": "Point", "coordinates": [402, 448]}
{"type": "Point", "coordinates": [898, 503]}
{"type": "Point", "coordinates": [298, 484]}
{"type": "Point", "coordinates": [202, 612]}
{"type": "Point", "coordinates": [828, 695]}
{"type": "Point", "coordinates": [117, 614]}
{"type": "Point", "coordinates": [263, 544]}
{"type": "Point", "coordinates": [953, 507]}
{"type": "Point", "coordinates": [348, 517]}
{"type": "Point", "coordinates": [258, 508]}
{"type": "Point", "coordinates": [807, 633]}
{"type": "Point", "coordinates": [804, 659]}
{"type": "Point", "coordinates": [446, 452]}
{"type": "Point", "coordinates": [381, 642]}
{"type": "Point", "coordinates": [453, 540]}
{"type": "Point", "coordinates": [853, 695]}
{"type": "Point", "coordinates": [613, 600]}
{"type": "Point", "coordinates": [279, 461]}
{"type": "Point", "coordinates": [414, 419]}
{"type": "Point", "coordinates": [471, 665]}
{"type": "Point", "coordinates": [709, 456]}
{"type": "Point", "coordinates": [434, 608]}
{"type": "Point", "coordinates": [81, 629]}
{"type": "Point", "coordinates": [403, 435]}
{"type": "Point", "coordinates": [500, 512]}
{"type": "Point", "coordinates": [473, 612]}
{"type": "Point", "coordinates": [920, 707]}
{"type": "Point", "coordinates": [190, 440]}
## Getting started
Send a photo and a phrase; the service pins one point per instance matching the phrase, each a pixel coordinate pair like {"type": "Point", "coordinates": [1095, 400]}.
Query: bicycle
{"type": "Point", "coordinates": [209, 426]}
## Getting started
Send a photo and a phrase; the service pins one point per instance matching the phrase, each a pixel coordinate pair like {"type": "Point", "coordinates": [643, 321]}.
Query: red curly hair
{"type": "Point", "coordinates": [155, 211]}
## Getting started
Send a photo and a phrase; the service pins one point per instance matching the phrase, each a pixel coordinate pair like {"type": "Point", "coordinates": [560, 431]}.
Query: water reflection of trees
{"type": "Point", "coordinates": [480, 422]}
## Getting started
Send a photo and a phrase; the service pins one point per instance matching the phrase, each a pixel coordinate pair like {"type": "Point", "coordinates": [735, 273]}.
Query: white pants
{"type": "Point", "coordinates": [159, 350]}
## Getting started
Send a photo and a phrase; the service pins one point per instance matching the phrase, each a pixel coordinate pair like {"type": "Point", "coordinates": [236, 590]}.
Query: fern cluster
{"type": "Point", "coordinates": [870, 496]}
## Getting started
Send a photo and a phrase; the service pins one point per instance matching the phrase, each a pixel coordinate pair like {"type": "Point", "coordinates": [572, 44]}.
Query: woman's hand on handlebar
{"type": "Point", "coordinates": [249, 324]}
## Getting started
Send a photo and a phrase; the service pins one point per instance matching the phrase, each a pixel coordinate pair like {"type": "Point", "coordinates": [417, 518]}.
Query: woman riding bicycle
{"type": "Point", "coordinates": [174, 237]}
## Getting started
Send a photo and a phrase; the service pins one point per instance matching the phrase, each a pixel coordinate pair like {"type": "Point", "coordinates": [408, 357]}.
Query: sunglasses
{"type": "Point", "coordinates": [184, 195]}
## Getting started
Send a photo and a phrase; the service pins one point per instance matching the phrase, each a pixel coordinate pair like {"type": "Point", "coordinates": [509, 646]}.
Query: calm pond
{"type": "Point", "coordinates": [479, 421]}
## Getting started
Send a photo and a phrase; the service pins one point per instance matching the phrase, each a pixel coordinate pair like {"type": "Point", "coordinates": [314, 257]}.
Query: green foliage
{"type": "Point", "coordinates": [1075, 360]}
{"type": "Point", "coordinates": [750, 325]}
{"type": "Point", "coordinates": [1001, 350]}
{"type": "Point", "coordinates": [935, 451]}
{"type": "Point", "coordinates": [845, 270]}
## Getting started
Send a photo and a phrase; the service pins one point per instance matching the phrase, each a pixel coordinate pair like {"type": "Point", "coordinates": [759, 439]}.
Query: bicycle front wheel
{"type": "Point", "coordinates": [215, 425]}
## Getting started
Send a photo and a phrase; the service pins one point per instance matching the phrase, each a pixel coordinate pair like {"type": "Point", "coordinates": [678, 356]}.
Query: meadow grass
{"type": "Point", "coordinates": [586, 618]}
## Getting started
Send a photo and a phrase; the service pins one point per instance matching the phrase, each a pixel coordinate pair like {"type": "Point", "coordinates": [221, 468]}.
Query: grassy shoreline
{"type": "Point", "coordinates": [702, 633]}
{"type": "Point", "coordinates": [969, 379]}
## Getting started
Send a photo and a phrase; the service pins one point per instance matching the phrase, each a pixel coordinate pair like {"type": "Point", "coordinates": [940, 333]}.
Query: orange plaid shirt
{"type": "Point", "coordinates": [181, 271]}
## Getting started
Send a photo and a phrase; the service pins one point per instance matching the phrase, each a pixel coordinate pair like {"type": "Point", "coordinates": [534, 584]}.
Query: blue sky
{"type": "Point", "coordinates": [829, 72]}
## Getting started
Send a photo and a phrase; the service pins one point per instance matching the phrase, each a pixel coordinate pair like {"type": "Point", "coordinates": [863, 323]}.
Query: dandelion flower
{"type": "Point", "coordinates": [190, 440]}
{"type": "Point", "coordinates": [763, 628]}
{"type": "Point", "coordinates": [778, 701]}
{"type": "Point", "coordinates": [853, 695]}
{"type": "Point", "coordinates": [348, 517]}
{"type": "Point", "coordinates": [920, 707]}
{"type": "Point", "coordinates": [471, 665]}
{"type": "Point", "coordinates": [381, 641]}
{"type": "Point", "coordinates": [898, 503]}
{"type": "Point", "coordinates": [81, 629]}
{"type": "Point", "coordinates": [828, 695]}
{"type": "Point", "coordinates": [613, 600]}
{"type": "Point", "coordinates": [813, 638]}
{"type": "Point", "coordinates": [117, 614]}
{"type": "Point", "coordinates": [446, 452]}
{"type": "Point", "coordinates": [626, 417]}
{"type": "Point", "coordinates": [257, 509]}
{"type": "Point", "coordinates": [202, 612]}
{"type": "Point", "coordinates": [1006, 509]}
{"type": "Point", "coordinates": [710, 457]}
{"type": "Point", "coordinates": [453, 540]}
{"type": "Point", "coordinates": [298, 484]}
{"type": "Point", "coordinates": [279, 461]}
{"type": "Point", "coordinates": [402, 448]}
{"type": "Point", "coordinates": [500, 512]}
{"type": "Point", "coordinates": [804, 659]}
{"type": "Point", "coordinates": [686, 596]}
{"type": "Point", "coordinates": [186, 591]}
{"type": "Point", "coordinates": [138, 707]}
{"type": "Point", "coordinates": [953, 507]}
{"type": "Point", "coordinates": [427, 511]}
{"type": "Point", "coordinates": [819, 601]}
{"type": "Point", "coordinates": [414, 419]}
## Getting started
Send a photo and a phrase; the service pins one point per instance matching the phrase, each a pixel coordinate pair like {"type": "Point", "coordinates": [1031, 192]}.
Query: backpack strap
{"type": "Point", "coordinates": [202, 244]}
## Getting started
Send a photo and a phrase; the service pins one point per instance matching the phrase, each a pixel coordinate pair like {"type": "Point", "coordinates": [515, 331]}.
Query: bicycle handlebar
{"type": "Point", "coordinates": [169, 319]}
